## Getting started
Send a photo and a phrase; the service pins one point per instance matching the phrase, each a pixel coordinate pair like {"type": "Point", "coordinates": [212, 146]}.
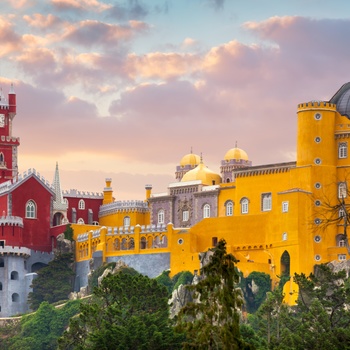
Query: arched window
{"type": "Point", "coordinates": [131, 244]}
{"type": "Point", "coordinates": [244, 205]}
{"type": "Point", "coordinates": [340, 240]}
{"type": "Point", "coordinates": [342, 190]}
{"type": "Point", "coordinates": [285, 264]}
{"type": "Point", "coordinates": [2, 158]}
{"type": "Point", "coordinates": [14, 275]}
{"type": "Point", "coordinates": [81, 204]}
{"type": "Point", "coordinates": [143, 243]}
{"type": "Point", "coordinates": [30, 210]}
{"type": "Point", "coordinates": [266, 202]}
{"type": "Point", "coordinates": [126, 221]}
{"type": "Point", "coordinates": [80, 221]}
{"type": "Point", "coordinates": [206, 211]}
{"type": "Point", "coordinates": [229, 208]}
{"type": "Point", "coordinates": [15, 298]}
{"type": "Point", "coordinates": [342, 150]}
{"type": "Point", "coordinates": [161, 216]}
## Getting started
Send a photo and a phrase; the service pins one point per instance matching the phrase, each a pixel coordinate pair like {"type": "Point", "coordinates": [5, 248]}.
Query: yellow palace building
{"type": "Point", "coordinates": [273, 217]}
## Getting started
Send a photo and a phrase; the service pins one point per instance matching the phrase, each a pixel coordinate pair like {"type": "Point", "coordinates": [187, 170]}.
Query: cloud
{"type": "Point", "coordinates": [131, 9]}
{"type": "Point", "coordinates": [80, 5]}
{"type": "Point", "coordinates": [160, 65]}
{"type": "Point", "coordinates": [95, 33]}
{"type": "Point", "coordinates": [41, 21]}
{"type": "Point", "coordinates": [10, 40]}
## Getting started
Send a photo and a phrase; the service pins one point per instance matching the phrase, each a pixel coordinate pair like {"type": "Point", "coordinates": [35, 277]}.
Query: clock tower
{"type": "Point", "coordinates": [8, 143]}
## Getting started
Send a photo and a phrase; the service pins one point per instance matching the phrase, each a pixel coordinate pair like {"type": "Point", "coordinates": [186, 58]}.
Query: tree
{"type": "Point", "coordinates": [320, 320]}
{"type": "Point", "coordinates": [54, 282]}
{"type": "Point", "coordinates": [126, 311]}
{"type": "Point", "coordinates": [40, 330]}
{"type": "Point", "coordinates": [211, 321]}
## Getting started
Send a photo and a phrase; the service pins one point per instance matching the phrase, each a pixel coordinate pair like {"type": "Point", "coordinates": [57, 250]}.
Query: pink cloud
{"type": "Point", "coordinates": [90, 5]}
{"type": "Point", "coordinates": [41, 21]}
{"type": "Point", "coordinates": [10, 40]}
{"type": "Point", "coordinates": [162, 65]}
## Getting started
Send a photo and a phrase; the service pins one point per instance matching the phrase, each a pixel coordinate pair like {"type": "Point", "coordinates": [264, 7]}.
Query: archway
{"type": "Point", "coordinates": [285, 264]}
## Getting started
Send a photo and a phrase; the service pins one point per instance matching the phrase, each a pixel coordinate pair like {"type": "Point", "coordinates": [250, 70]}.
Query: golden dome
{"type": "Point", "coordinates": [201, 172]}
{"type": "Point", "coordinates": [236, 154]}
{"type": "Point", "coordinates": [190, 159]}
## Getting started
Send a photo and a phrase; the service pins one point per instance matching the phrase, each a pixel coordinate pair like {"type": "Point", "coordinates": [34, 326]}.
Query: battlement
{"type": "Point", "coordinates": [8, 185]}
{"type": "Point", "coordinates": [317, 105]}
{"type": "Point", "coordinates": [82, 194]}
{"type": "Point", "coordinates": [132, 205]}
{"type": "Point", "coordinates": [11, 221]}
{"type": "Point", "coordinates": [10, 139]}
{"type": "Point", "coordinates": [15, 251]}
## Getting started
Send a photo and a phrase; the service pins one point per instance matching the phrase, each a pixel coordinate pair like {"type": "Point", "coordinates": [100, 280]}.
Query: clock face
{"type": "Point", "coordinates": [2, 120]}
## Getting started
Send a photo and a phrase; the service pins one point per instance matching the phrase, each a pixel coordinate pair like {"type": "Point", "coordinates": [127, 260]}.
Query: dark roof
{"type": "Point", "coordinates": [342, 100]}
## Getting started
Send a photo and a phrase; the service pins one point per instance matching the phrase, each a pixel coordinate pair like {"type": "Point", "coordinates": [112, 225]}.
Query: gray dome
{"type": "Point", "coordinates": [342, 100]}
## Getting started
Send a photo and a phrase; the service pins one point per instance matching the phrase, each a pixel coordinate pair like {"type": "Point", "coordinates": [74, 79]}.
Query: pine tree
{"type": "Point", "coordinates": [211, 321]}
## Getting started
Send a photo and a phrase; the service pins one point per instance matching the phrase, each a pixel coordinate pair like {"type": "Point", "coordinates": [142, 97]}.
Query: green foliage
{"type": "Point", "coordinates": [320, 320]}
{"type": "Point", "coordinates": [183, 277]}
{"type": "Point", "coordinates": [212, 320]}
{"type": "Point", "coordinates": [263, 283]}
{"type": "Point", "coordinates": [40, 331]}
{"type": "Point", "coordinates": [68, 233]}
{"type": "Point", "coordinates": [54, 282]}
{"type": "Point", "coordinates": [126, 311]}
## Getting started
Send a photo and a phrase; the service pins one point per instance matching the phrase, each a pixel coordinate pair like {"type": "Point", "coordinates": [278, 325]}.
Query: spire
{"type": "Point", "coordinates": [12, 90]}
{"type": "Point", "coordinates": [236, 144]}
{"type": "Point", "coordinates": [58, 203]}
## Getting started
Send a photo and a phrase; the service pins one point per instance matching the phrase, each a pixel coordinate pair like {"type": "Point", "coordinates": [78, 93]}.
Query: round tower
{"type": "Point", "coordinates": [316, 125]}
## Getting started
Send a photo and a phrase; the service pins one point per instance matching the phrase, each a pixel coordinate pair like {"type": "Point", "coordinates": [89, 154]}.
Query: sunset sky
{"type": "Point", "coordinates": [124, 89]}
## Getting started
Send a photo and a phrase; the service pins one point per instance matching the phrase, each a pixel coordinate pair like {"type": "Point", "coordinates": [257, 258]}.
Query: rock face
{"type": "Point", "coordinates": [63, 245]}
{"type": "Point", "coordinates": [337, 266]}
{"type": "Point", "coordinates": [179, 298]}
{"type": "Point", "coordinates": [119, 265]}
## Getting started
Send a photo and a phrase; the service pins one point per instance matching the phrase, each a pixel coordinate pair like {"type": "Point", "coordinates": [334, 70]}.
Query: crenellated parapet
{"type": "Point", "coordinates": [8, 185]}
{"type": "Point", "coordinates": [15, 251]}
{"type": "Point", "coordinates": [123, 206]}
{"type": "Point", "coordinates": [316, 105]}
{"type": "Point", "coordinates": [82, 194]}
{"type": "Point", "coordinates": [11, 221]}
{"type": "Point", "coordinates": [10, 139]}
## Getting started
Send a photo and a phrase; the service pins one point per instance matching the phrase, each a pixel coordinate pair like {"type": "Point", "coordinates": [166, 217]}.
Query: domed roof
{"type": "Point", "coordinates": [201, 172]}
{"type": "Point", "coordinates": [236, 154]}
{"type": "Point", "coordinates": [342, 100]}
{"type": "Point", "coordinates": [190, 159]}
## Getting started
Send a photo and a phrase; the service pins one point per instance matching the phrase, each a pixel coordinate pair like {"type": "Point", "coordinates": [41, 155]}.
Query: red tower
{"type": "Point", "coordinates": [8, 143]}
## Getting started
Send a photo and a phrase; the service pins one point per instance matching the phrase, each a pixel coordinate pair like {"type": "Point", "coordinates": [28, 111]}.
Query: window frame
{"type": "Point", "coordinates": [206, 211]}
{"type": "Point", "coordinates": [229, 208]}
{"type": "Point", "coordinates": [244, 205]}
{"type": "Point", "coordinates": [160, 216]}
{"type": "Point", "coordinates": [31, 210]}
{"type": "Point", "coordinates": [342, 150]}
{"type": "Point", "coordinates": [266, 201]}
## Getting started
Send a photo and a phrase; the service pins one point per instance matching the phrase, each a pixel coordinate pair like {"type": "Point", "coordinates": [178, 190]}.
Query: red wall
{"type": "Point", "coordinates": [36, 232]}
{"type": "Point", "coordinates": [90, 203]}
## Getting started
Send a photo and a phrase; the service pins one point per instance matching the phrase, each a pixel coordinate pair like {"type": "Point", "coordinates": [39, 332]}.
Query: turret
{"type": "Point", "coordinates": [107, 192]}
{"type": "Point", "coordinates": [148, 191]}
{"type": "Point", "coordinates": [12, 102]}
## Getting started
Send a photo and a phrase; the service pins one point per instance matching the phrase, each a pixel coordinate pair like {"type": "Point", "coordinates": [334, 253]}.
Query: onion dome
{"type": "Point", "coordinates": [202, 173]}
{"type": "Point", "coordinates": [342, 100]}
{"type": "Point", "coordinates": [190, 159]}
{"type": "Point", "coordinates": [236, 154]}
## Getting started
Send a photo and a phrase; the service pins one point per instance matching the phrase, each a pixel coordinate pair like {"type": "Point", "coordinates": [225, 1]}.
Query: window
{"type": "Point", "coordinates": [14, 275]}
{"type": "Point", "coordinates": [214, 241]}
{"type": "Point", "coordinates": [80, 221]}
{"type": "Point", "coordinates": [342, 257]}
{"type": "Point", "coordinates": [30, 210]}
{"type": "Point", "coordinates": [244, 205]}
{"type": "Point", "coordinates": [266, 202]}
{"type": "Point", "coordinates": [15, 298]}
{"type": "Point", "coordinates": [185, 215]}
{"type": "Point", "coordinates": [206, 211]}
{"type": "Point", "coordinates": [284, 236]}
{"type": "Point", "coordinates": [81, 204]}
{"type": "Point", "coordinates": [285, 207]}
{"type": "Point", "coordinates": [161, 216]}
{"type": "Point", "coordinates": [342, 150]}
{"type": "Point", "coordinates": [342, 190]}
{"type": "Point", "coordinates": [126, 221]}
{"type": "Point", "coordinates": [341, 213]}
{"type": "Point", "coordinates": [229, 208]}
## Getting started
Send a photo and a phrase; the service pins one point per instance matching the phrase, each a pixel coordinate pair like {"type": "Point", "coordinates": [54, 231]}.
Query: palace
{"type": "Point", "coordinates": [273, 217]}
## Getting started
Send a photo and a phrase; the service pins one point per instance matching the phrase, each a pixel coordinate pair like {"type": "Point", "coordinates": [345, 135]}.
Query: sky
{"type": "Point", "coordinates": [124, 89]}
